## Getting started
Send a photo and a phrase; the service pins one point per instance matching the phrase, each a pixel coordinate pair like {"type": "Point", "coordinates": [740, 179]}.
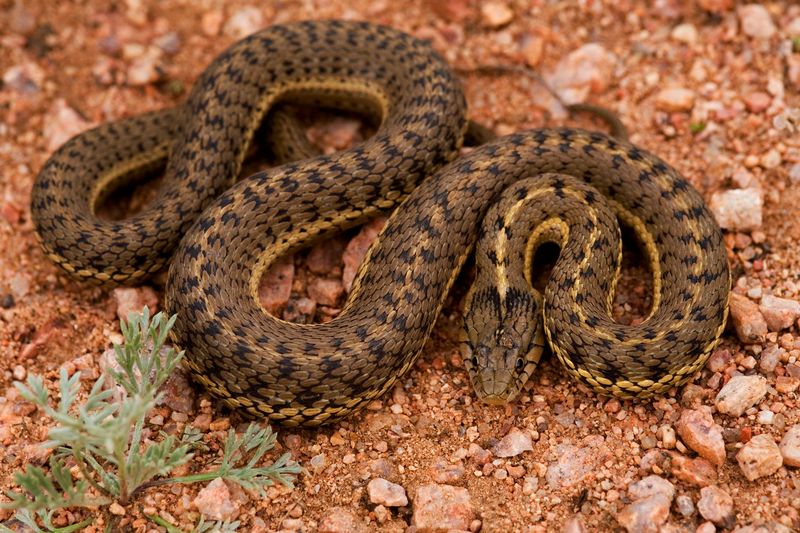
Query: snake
{"type": "Point", "coordinates": [219, 235]}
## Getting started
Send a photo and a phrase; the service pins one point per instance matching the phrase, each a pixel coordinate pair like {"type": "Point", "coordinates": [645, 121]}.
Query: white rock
{"type": "Point", "coordinates": [214, 501]}
{"type": "Point", "coordinates": [134, 299]}
{"type": "Point", "coordinates": [572, 466]}
{"type": "Point", "coordinates": [756, 21]}
{"type": "Point", "coordinates": [590, 68]}
{"type": "Point", "coordinates": [674, 99]}
{"type": "Point", "coordinates": [386, 493]}
{"type": "Point", "coordinates": [716, 505]}
{"type": "Point", "coordinates": [759, 457]}
{"type": "Point", "coordinates": [779, 313]}
{"type": "Point", "coordinates": [740, 393]}
{"type": "Point", "coordinates": [685, 33]}
{"type": "Point", "coordinates": [442, 507]}
{"type": "Point", "coordinates": [25, 78]}
{"type": "Point", "coordinates": [145, 68]}
{"type": "Point", "coordinates": [645, 515]}
{"type": "Point", "coordinates": [513, 444]}
{"type": "Point", "coordinates": [738, 209]}
{"type": "Point", "coordinates": [243, 22]}
{"type": "Point", "coordinates": [496, 14]}
{"type": "Point", "coordinates": [650, 485]}
{"type": "Point", "coordinates": [790, 446]}
{"type": "Point", "coordinates": [61, 123]}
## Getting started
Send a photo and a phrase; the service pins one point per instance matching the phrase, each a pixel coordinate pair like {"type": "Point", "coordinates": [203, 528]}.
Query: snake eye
{"type": "Point", "coordinates": [474, 361]}
{"type": "Point", "coordinates": [520, 364]}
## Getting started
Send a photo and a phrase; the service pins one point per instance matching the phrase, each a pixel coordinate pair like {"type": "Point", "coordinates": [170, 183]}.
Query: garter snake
{"type": "Point", "coordinates": [227, 234]}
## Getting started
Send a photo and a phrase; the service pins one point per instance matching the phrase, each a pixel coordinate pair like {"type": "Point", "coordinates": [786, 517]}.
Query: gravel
{"type": "Point", "coordinates": [731, 130]}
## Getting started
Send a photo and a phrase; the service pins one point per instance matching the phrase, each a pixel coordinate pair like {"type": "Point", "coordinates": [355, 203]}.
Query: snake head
{"type": "Point", "coordinates": [505, 339]}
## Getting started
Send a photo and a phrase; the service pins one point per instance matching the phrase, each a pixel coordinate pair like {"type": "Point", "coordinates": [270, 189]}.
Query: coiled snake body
{"type": "Point", "coordinates": [312, 374]}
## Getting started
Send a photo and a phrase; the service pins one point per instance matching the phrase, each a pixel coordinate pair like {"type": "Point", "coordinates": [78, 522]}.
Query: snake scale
{"type": "Point", "coordinates": [221, 235]}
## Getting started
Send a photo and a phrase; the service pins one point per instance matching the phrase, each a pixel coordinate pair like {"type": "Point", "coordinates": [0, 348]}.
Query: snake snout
{"type": "Point", "coordinates": [494, 386]}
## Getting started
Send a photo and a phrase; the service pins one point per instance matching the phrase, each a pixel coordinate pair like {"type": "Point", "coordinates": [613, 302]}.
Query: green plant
{"type": "Point", "coordinates": [103, 438]}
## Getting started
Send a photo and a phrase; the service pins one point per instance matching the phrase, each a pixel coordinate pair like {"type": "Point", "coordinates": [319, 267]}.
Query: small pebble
{"type": "Point", "coordinates": [685, 505]}
{"type": "Point", "coordinates": [779, 313]}
{"type": "Point", "coordinates": [786, 384]}
{"type": "Point", "coordinates": [214, 501]}
{"type": "Point", "coordinates": [530, 484]}
{"type": "Point", "coordinates": [318, 463]}
{"type": "Point", "coordinates": [716, 505]}
{"type": "Point", "coordinates": [699, 431]}
{"type": "Point", "coordinates": [738, 209]}
{"type": "Point", "coordinates": [19, 372]}
{"type": "Point", "coordinates": [757, 102]}
{"type": "Point", "coordinates": [769, 358]}
{"type": "Point", "coordinates": [685, 33]}
{"type": "Point", "coordinates": [645, 515]}
{"type": "Point", "coordinates": [442, 507]}
{"type": "Point", "coordinates": [382, 514]}
{"type": "Point", "coordinates": [790, 446]}
{"type": "Point", "coordinates": [740, 393]}
{"type": "Point", "coordinates": [444, 472]}
{"type": "Point", "coordinates": [756, 21]}
{"type": "Point", "coordinates": [759, 457]}
{"type": "Point", "coordinates": [243, 22]}
{"type": "Point", "coordinates": [674, 99]}
{"type": "Point", "coordinates": [496, 14]}
{"type": "Point", "coordinates": [341, 520]}
{"type": "Point", "coordinates": [649, 486]}
{"type": "Point", "coordinates": [696, 471]}
{"type": "Point", "coordinates": [513, 444]}
{"type": "Point", "coordinates": [386, 493]}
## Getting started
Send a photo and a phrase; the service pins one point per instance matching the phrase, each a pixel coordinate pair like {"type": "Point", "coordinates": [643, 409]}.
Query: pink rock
{"type": "Point", "coordinates": [716, 505]}
{"type": "Point", "coordinates": [790, 446]}
{"type": "Point", "coordinates": [442, 507]}
{"type": "Point", "coordinates": [325, 256]}
{"type": "Point", "coordinates": [496, 14]}
{"type": "Point", "coordinates": [214, 501]}
{"type": "Point", "coordinates": [740, 393]}
{"type": "Point", "coordinates": [698, 471]}
{"type": "Point", "coordinates": [759, 457]}
{"type": "Point", "coordinates": [747, 319]}
{"type": "Point", "coordinates": [357, 248]}
{"type": "Point", "coordinates": [588, 69]}
{"type": "Point", "coordinates": [325, 291]}
{"type": "Point", "coordinates": [386, 493]}
{"type": "Point", "coordinates": [178, 393]}
{"type": "Point", "coordinates": [756, 21]}
{"type": "Point", "coordinates": [276, 285]}
{"type": "Point", "coordinates": [444, 472]}
{"type": "Point", "coordinates": [757, 102]}
{"type": "Point", "coordinates": [62, 123]}
{"type": "Point", "coordinates": [134, 299]}
{"type": "Point", "coordinates": [243, 22]}
{"type": "Point", "coordinates": [779, 313]}
{"type": "Point", "coordinates": [341, 520]}
{"type": "Point", "coordinates": [674, 99]}
{"type": "Point", "coordinates": [644, 488]}
{"type": "Point", "coordinates": [513, 444]}
{"type": "Point", "coordinates": [719, 360]}
{"type": "Point", "coordinates": [25, 78]}
{"type": "Point", "coordinates": [645, 515]}
{"type": "Point", "coordinates": [700, 433]}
